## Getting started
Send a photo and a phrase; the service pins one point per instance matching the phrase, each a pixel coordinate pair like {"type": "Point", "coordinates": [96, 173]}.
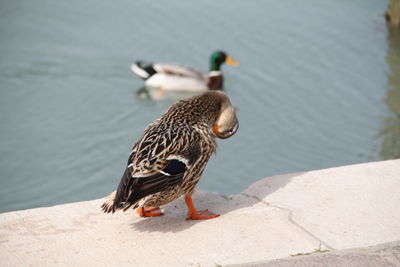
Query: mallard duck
{"type": "Point", "coordinates": [173, 77]}
{"type": "Point", "coordinates": [168, 160]}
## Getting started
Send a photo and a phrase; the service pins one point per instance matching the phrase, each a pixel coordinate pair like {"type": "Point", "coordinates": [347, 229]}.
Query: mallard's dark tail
{"type": "Point", "coordinates": [143, 69]}
{"type": "Point", "coordinates": [108, 205]}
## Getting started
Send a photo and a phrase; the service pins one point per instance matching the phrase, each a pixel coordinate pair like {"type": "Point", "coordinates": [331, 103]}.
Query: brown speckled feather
{"type": "Point", "coordinates": [167, 162]}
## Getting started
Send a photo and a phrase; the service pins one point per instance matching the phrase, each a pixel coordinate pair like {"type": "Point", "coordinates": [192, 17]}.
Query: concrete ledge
{"type": "Point", "coordinates": [332, 209]}
{"type": "Point", "coordinates": [382, 255]}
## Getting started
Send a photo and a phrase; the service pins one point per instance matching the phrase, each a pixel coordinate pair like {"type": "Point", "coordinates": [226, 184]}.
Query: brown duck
{"type": "Point", "coordinates": [169, 159]}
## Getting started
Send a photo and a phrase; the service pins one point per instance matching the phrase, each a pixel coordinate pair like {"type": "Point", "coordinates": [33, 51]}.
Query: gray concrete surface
{"type": "Point", "coordinates": [332, 209]}
{"type": "Point", "coordinates": [383, 255]}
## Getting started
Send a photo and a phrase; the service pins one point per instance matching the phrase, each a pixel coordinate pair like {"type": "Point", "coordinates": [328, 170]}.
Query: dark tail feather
{"type": "Point", "coordinates": [108, 206]}
{"type": "Point", "coordinates": [121, 199]}
{"type": "Point", "coordinates": [143, 70]}
{"type": "Point", "coordinates": [116, 200]}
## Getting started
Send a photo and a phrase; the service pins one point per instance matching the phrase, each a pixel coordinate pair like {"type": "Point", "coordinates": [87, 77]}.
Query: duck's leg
{"type": "Point", "coordinates": [149, 212]}
{"type": "Point", "coordinates": [160, 92]}
{"type": "Point", "coordinates": [198, 215]}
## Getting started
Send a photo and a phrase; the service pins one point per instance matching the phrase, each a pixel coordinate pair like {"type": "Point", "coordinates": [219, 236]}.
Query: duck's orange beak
{"type": "Point", "coordinates": [216, 131]}
{"type": "Point", "coordinates": [231, 61]}
{"type": "Point", "coordinates": [219, 134]}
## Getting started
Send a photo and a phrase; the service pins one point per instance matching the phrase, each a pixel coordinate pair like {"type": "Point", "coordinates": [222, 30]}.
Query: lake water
{"type": "Point", "coordinates": [318, 87]}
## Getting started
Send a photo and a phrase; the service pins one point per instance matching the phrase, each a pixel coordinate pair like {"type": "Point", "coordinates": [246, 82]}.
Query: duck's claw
{"type": "Point", "coordinates": [149, 212]}
{"type": "Point", "coordinates": [201, 215]}
{"type": "Point", "coordinates": [198, 215]}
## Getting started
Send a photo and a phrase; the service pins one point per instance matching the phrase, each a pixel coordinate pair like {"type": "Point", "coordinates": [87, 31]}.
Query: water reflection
{"type": "Point", "coordinates": [143, 93]}
{"type": "Point", "coordinates": [390, 129]}
{"type": "Point", "coordinates": [159, 95]}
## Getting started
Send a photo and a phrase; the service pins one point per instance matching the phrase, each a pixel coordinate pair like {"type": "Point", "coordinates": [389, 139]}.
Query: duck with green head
{"type": "Point", "coordinates": [175, 77]}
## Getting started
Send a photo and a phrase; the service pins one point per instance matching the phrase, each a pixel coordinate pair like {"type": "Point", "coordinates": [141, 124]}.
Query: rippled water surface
{"type": "Point", "coordinates": [318, 87]}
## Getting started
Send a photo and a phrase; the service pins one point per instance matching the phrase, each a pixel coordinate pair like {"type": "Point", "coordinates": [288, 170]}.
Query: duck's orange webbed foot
{"type": "Point", "coordinates": [198, 215]}
{"type": "Point", "coordinates": [149, 212]}
{"type": "Point", "coordinates": [160, 92]}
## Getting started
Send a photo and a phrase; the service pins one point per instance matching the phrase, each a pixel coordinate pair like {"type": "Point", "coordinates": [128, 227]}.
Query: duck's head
{"type": "Point", "coordinates": [218, 58]}
{"type": "Point", "coordinates": [226, 123]}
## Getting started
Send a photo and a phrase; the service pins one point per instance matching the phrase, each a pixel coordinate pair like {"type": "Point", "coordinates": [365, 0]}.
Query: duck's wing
{"type": "Point", "coordinates": [158, 161]}
{"type": "Point", "coordinates": [145, 70]}
{"type": "Point", "coordinates": [178, 70]}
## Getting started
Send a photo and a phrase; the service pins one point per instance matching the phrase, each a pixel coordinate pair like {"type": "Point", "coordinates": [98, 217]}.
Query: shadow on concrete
{"type": "Point", "coordinates": [175, 212]}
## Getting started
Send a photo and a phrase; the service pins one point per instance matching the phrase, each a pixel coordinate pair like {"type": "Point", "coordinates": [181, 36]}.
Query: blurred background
{"type": "Point", "coordinates": [318, 87]}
